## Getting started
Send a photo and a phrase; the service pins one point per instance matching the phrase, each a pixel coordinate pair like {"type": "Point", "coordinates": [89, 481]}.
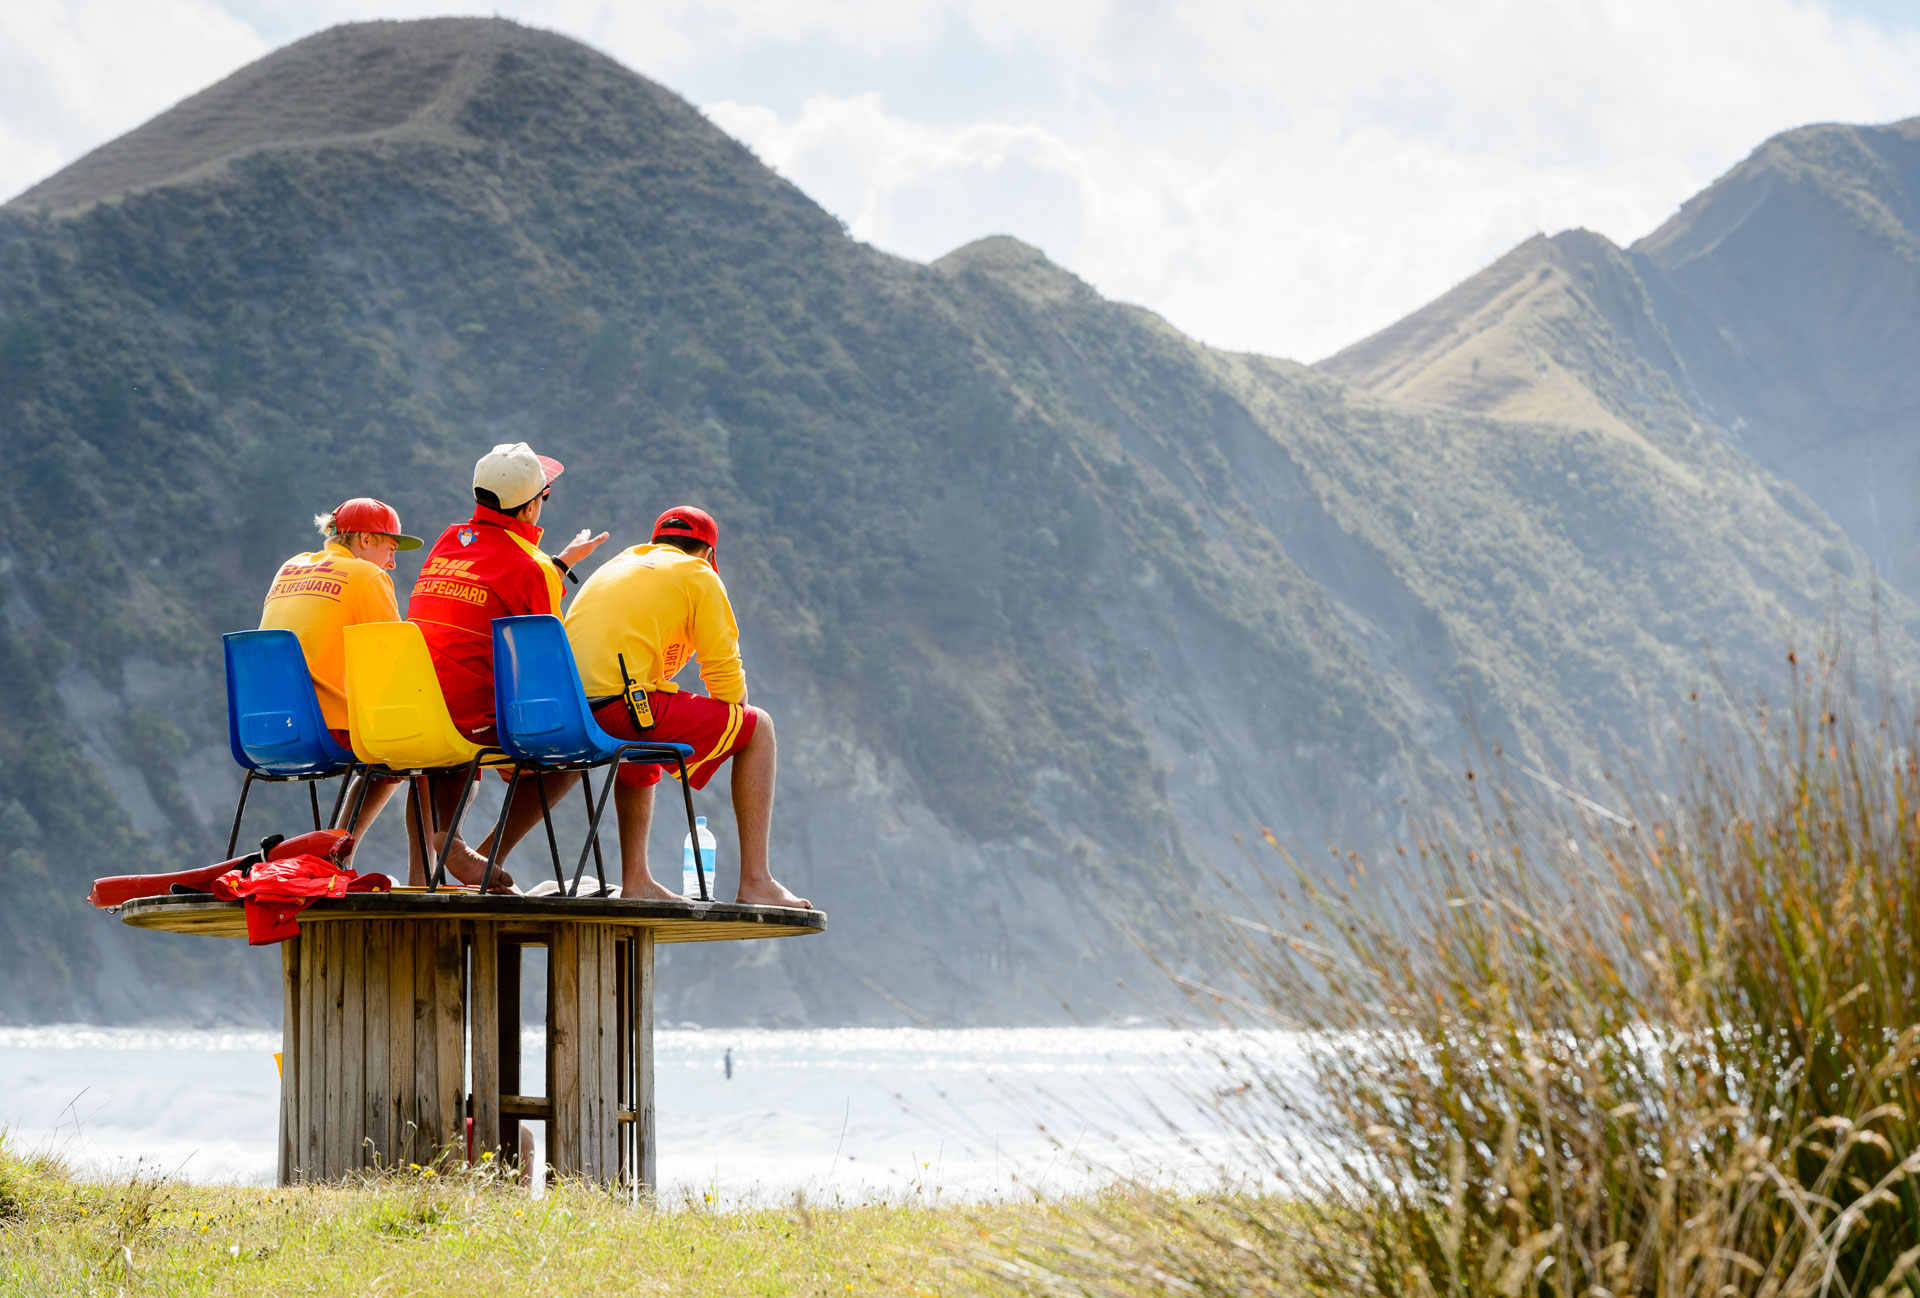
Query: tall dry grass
{"type": "Point", "coordinates": [1655, 1037]}
{"type": "Point", "coordinates": [1662, 1047]}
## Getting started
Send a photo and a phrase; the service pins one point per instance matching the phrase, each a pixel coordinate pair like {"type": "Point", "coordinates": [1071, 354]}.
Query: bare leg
{"type": "Point", "coordinates": [524, 814]}
{"type": "Point", "coordinates": [753, 772]}
{"type": "Point", "coordinates": [377, 796]}
{"type": "Point", "coordinates": [633, 808]}
{"type": "Point", "coordinates": [463, 863]}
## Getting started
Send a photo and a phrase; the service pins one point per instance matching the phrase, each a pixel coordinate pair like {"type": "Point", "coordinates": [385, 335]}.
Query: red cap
{"type": "Point", "coordinates": [687, 521]}
{"type": "Point", "coordinates": [365, 514]}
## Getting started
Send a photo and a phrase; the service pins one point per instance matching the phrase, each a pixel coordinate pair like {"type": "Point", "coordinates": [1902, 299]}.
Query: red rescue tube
{"type": "Point", "coordinates": [123, 888]}
{"type": "Point", "coordinates": [329, 844]}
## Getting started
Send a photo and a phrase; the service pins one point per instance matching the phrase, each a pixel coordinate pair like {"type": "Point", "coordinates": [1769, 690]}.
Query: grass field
{"type": "Point", "coordinates": [426, 1233]}
{"type": "Point", "coordinates": [419, 1232]}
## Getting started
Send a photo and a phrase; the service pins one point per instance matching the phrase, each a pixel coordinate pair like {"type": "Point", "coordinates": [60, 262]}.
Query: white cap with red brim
{"type": "Point", "coordinates": [514, 474]}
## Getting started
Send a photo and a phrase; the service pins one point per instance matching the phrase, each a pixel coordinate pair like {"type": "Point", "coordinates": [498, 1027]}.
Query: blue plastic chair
{"type": "Point", "coordinates": [545, 725]}
{"type": "Point", "coordinates": [274, 726]}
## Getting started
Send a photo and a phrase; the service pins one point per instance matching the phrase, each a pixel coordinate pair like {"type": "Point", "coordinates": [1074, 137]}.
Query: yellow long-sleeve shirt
{"type": "Point", "coordinates": [660, 607]}
{"type": "Point", "coordinates": [317, 596]}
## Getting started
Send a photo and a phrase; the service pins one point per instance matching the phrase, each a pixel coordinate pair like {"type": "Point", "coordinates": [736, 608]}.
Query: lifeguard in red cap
{"type": "Point", "coordinates": [636, 623]}
{"type": "Point", "coordinates": [318, 595]}
{"type": "Point", "coordinates": [488, 567]}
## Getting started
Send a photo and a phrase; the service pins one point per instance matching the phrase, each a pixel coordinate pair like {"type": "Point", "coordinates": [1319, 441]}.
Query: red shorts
{"type": "Point", "coordinates": [716, 731]}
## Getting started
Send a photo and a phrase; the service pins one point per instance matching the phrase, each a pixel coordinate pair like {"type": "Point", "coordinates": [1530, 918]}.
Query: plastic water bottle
{"type": "Point", "coordinates": [690, 879]}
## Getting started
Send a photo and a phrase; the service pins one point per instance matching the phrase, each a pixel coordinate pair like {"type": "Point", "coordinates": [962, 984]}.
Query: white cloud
{"type": "Point", "coordinates": [76, 73]}
{"type": "Point", "coordinates": [920, 190]}
{"type": "Point", "coordinates": [1287, 177]}
{"type": "Point", "coordinates": [1276, 175]}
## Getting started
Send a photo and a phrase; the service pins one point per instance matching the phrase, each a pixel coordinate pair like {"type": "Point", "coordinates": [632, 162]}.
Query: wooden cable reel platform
{"type": "Point", "coordinates": [402, 1022]}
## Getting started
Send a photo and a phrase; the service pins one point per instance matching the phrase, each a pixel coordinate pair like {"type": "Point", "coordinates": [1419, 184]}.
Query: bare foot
{"type": "Point", "coordinates": [468, 866]}
{"type": "Point", "coordinates": [647, 890]}
{"type": "Point", "coordinates": [771, 893]}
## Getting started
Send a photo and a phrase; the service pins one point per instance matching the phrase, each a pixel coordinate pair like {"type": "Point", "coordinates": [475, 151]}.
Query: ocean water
{"type": "Point", "coordinates": [852, 1112]}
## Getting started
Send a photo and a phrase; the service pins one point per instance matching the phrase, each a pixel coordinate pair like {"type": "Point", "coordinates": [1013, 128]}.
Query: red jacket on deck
{"type": "Point", "coordinates": [487, 567]}
{"type": "Point", "coordinates": [296, 873]}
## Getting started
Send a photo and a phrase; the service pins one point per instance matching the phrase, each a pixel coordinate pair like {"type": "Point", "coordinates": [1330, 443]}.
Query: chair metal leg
{"type": "Point", "coordinates": [599, 862]}
{"type": "Point", "coordinates": [499, 832]}
{"type": "Point", "coordinates": [546, 815]}
{"type": "Point", "coordinates": [313, 796]}
{"type": "Point", "coordinates": [686, 791]}
{"type": "Point", "coordinates": [233, 836]}
{"type": "Point", "coordinates": [340, 795]}
{"type": "Point", "coordinates": [420, 831]}
{"type": "Point", "coordinates": [655, 752]}
{"type": "Point", "coordinates": [593, 826]}
{"type": "Point", "coordinates": [359, 799]}
{"type": "Point", "coordinates": [459, 810]}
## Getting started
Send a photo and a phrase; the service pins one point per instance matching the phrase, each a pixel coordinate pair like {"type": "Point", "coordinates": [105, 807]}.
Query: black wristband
{"type": "Point", "coordinates": [565, 571]}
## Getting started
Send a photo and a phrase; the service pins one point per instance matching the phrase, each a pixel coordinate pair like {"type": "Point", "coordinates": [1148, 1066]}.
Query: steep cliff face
{"type": "Point", "coordinates": [1050, 603]}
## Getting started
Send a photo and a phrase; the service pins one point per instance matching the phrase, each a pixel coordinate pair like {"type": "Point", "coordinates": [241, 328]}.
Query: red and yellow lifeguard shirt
{"type": "Point", "coordinates": [487, 567]}
{"type": "Point", "coordinates": [317, 596]}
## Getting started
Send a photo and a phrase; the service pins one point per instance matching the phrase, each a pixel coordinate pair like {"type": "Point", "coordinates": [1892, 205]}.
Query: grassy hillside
{"type": "Point", "coordinates": [1050, 601]}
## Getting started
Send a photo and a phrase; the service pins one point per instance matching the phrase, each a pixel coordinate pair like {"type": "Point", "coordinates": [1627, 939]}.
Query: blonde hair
{"type": "Point", "coordinates": [328, 532]}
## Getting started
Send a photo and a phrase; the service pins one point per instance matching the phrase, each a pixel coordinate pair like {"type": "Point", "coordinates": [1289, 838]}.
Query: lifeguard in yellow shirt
{"type": "Point", "coordinates": [636, 622]}
{"type": "Point", "coordinates": [320, 594]}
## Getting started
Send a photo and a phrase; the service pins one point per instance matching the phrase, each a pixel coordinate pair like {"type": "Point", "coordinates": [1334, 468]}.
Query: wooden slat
{"type": "Point", "coordinates": [305, 1141]}
{"type": "Point", "coordinates": [333, 1153]}
{"type": "Point", "coordinates": [450, 1025]}
{"type": "Point", "coordinates": [353, 1038]}
{"type": "Point", "coordinates": [398, 1103]}
{"type": "Point", "coordinates": [563, 1049]}
{"type": "Point", "coordinates": [485, 1034]}
{"type": "Point", "coordinates": [376, 1104]}
{"type": "Point", "coordinates": [643, 1057]}
{"type": "Point", "coordinates": [526, 1106]}
{"type": "Point", "coordinates": [290, 1008]}
{"type": "Point", "coordinates": [628, 1161]}
{"type": "Point", "coordinates": [322, 940]}
{"type": "Point", "coordinates": [590, 1053]}
{"type": "Point", "coordinates": [425, 1099]}
{"type": "Point", "coordinates": [607, 1082]}
{"type": "Point", "coordinates": [509, 1054]}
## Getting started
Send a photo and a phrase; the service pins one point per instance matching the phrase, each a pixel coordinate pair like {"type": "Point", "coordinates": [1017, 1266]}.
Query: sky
{"type": "Point", "coordinates": [1277, 176]}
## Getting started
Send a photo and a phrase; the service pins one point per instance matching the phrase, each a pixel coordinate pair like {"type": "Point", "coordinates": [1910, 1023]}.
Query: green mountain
{"type": "Point", "coordinates": [1049, 602]}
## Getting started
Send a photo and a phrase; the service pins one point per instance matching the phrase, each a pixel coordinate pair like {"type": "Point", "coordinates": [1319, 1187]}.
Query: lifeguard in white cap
{"type": "Point", "coordinates": [491, 566]}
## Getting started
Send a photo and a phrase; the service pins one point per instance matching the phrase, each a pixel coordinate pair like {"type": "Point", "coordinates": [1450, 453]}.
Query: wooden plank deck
{"type": "Point", "coordinates": [668, 921]}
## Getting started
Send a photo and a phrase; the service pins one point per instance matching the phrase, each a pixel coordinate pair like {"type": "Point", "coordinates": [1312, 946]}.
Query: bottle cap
{"type": "Point", "coordinates": [699, 820]}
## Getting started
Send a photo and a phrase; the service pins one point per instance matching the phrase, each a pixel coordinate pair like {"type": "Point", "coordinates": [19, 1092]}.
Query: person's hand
{"type": "Point", "coordinates": [582, 545]}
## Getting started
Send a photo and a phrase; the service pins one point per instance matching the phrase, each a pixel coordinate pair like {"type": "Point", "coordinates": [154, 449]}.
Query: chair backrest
{"type": "Point", "coordinates": [395, 712]}
{"type": "Point", "coordinates": [274, 724]}
{"type": "Point", "coordinates": [539, 706]}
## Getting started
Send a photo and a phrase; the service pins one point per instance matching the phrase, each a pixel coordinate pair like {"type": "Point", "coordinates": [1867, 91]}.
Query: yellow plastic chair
{"type": "Point", "coordinates": [399, 723]}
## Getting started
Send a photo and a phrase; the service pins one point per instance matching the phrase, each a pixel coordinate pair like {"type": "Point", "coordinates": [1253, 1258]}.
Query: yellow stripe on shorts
{"type": "Point", "coordinates": [736, 715]}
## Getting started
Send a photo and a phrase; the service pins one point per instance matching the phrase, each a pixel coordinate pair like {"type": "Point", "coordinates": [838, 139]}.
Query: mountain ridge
{"type": "Point", "coordinates": [1779, 308]}
{"type": "Point", "coordinates": [366, 86]}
